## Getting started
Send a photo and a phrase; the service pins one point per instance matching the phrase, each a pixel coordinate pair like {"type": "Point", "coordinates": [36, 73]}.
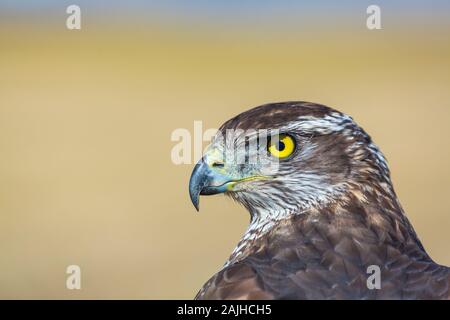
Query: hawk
{"type": "Point", "coordinates": [323, 211]}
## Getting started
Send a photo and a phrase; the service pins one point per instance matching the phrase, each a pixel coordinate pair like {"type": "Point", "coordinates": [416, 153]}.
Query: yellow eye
{"type": "Point", "coordinates": [282, 146]}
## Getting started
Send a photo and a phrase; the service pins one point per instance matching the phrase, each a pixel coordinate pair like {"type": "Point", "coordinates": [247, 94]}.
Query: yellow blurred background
{"type": "Point", "coordinates": [86, 116]}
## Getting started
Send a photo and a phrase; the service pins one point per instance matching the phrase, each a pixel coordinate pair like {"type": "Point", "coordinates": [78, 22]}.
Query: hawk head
{"type": "Point", "coordinates": [284, 158]}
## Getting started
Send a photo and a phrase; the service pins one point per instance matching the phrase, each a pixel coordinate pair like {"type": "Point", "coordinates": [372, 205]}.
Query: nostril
{"type": "Point", "coordinates": [218, 164]}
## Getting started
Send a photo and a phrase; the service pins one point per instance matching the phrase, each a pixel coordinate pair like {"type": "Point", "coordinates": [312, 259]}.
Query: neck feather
{"type": "Point", "coordinates": [376, 209]}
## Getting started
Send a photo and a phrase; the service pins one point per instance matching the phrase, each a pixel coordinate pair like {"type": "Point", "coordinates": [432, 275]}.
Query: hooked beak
{"type": "Point", "coordinates": [207, 181]}
{"type": "Point", "coordinates": [210, 178]}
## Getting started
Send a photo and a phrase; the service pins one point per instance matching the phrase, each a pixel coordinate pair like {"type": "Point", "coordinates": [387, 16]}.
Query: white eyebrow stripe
{"type": "Point", "coordinates": [330, 123]}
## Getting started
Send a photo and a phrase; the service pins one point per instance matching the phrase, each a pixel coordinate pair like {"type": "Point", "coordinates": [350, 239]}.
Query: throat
{"type": "Point", "coordinates": [262, 223]}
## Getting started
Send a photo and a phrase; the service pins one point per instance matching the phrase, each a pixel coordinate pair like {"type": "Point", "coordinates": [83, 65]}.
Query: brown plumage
{"type": "Point", "coordinates": [320, 220]}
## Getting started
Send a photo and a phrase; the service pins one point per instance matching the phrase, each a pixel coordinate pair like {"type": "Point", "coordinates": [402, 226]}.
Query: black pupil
{"type": "Point", "coordinates": [281, 146]}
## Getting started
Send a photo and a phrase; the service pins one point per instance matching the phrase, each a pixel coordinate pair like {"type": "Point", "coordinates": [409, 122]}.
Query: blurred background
{"type": "Point", "coordinates": [86, 117]}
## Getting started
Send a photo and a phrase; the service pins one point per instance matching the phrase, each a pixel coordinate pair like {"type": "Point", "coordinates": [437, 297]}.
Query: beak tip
{"type": "Point", "coordinates": [195, 199]}
{"type": "Point", "coordinates": [196, 183]}
{"type": "Point", "coordinates": [196, 205]}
